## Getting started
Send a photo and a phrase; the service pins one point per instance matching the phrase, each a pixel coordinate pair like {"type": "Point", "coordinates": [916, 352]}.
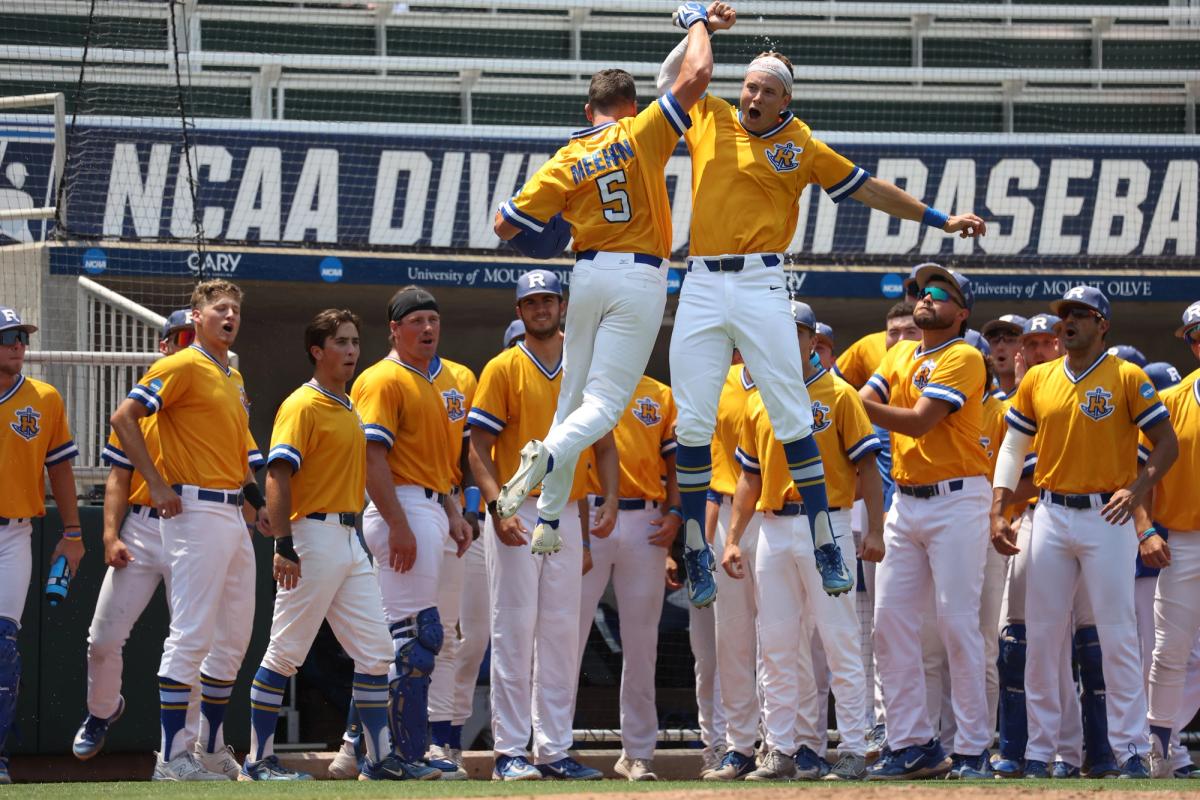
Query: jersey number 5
{"type": "Point", "coordinates": [612, 190]}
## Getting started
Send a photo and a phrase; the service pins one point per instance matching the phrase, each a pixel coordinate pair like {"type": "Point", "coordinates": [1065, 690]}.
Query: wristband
{"type": "Point", "coordinates": [587, 545]}
{"type": "Point", "coordinates": [677, 511]}
{"type": "Point", "coordinates": [491, 507]}
{"type": "Point", "coordinates": [72, 533]}
{"type": "Point", "coordinates": [934, 218]}
{"type": "Point", "coordinates": [1146, 534]}
{"type": "Point", "coordinates": [253, 495]}
{"type": "Point", "coordinates": [471, 499]}
{"type": "Point", "coordinates": [285, 548]}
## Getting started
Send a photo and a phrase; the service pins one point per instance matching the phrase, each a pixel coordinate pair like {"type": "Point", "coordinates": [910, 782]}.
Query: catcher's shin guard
{"type": "Point", "coordinates": [1092, 695]}
{"type": "Point", "coordinates": [421, 635]}
{"type": "Point", "coordinates": [1012, 722]}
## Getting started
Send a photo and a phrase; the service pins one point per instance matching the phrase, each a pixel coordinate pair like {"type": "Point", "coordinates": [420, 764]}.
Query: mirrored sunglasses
{"type": "Point", "coordinates": [10, 337]}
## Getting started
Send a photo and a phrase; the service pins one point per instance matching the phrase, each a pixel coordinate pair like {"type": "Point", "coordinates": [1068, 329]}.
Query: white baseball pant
{"type": "Point", "coordinates": [336, 584]}
{"type": "Point", "coordinates": [616, 310]}
{"type": "Point", "coordinates": [636, 569]}
{"type": "Point", "coordinates": [1070, 547]}
{"type": "Point", "coordinates": [935, 544]}
{"type": "Point", "coordinates": [876, 713]}
{"type": "Point", "coordinates": [1176, 625]}
{"type": "Point", "coordinates": [1144, 590]}
{"type": "Point", "coordinates": [16, 562]}
{"type": "Point", "coordinates": [835, 621]}
{"type": "Point", "coordinates": [535, 631]}
{"type": "Point", "coordinates": [475, 625]}
{"type": "Point", "coordinates": [406, 593]}
{"type": "Point", "coordinates": [449, 604]}
{"type": "Point", "coordinates": [702, 636]}
{"type": "Point", "coordinates": [738, 653]}
{"type": "Point", "coordinates": [749, 310]}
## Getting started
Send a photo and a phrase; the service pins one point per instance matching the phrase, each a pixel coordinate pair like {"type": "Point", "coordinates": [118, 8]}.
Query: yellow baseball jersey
{"type": "Point", "coordinates": [1175, 505]}
{"type": "Point", "coordinates": [204, 417]}
{"type": "Point", "coordinates": [516, 399]}
{"type": "Point", "coordinates": [608, 182]}
{"type": "Point", "coordinates": [731, 412]}
{"type": "Point", "coordinates": [746, 186]}
{"type": "Point", "coordinates": [843, 433]}
{"type": "Point", "coordinates": [994, 429]}
{"type": "Point", "coordinates": [645, 436]}
{"type": "Point", "coordinates": [953, 373]}
{"type": "Point", "coordinates": [401, 409]}
{"type": "Point", "coordinates": [320, 435]}
{"type": "Point", "coordinates": [35, 436]}
{"type": "Point", "coordinates": [857, 362]}
{"type": "Point", "coordinates": [1085, 427]}
{"type": "Point", "coordinates": [456, 384]}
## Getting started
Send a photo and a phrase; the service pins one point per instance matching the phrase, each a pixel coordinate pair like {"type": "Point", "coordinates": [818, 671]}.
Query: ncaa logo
{"type": "Point", "coordinates": [923, 374]}
{"type": "Point", "coordinates": [822, 419]}
{"type": "Point", "coordinates": [646, 411]}
{"type": "Point", "coordinates": [891, 285]}
{"type": "Point", "coordinates": [1097, 406]}
{"type": "Point", "coordinates": [783, 157]}
{"type": "Point", "coordinates": [26, 425]}
{"type": "Point", "coordinates": [331, 269]}
{"type": "Point", "coordinates": [95, 261]}
{"type": "Point", "coordinates": [456, 408]}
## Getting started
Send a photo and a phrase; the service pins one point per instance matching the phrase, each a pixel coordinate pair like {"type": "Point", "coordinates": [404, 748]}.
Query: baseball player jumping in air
{"type": "Point", "coordinates": [750, 164]}
{"type": "Point", "coordinates": [1082, 414]}
{"type": "Point", "coordinates": [534, 600]}
{"type": "Point", "coordinates": [930, 396]}
{"type": "Point", "coordinates": [316, 480]}
{"type": "Point", "coordinates": [137, 563]}
{"type": "Point", "coordinates": [1177, 601]}
{"type": "Point", "coordinates": [35, 437]}
{"type": "Point", "coordinates": [411, 513]}
{"type": "Point", "coordinates": [608, 184]}
{"type": "Point", "coordinates": [198, 493]}
{"type": "Point", "coordinates": [790, 601]}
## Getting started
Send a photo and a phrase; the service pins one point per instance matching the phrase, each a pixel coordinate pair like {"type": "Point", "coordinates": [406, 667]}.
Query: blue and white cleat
{"type": "Point", "coordinates": [1134, 768]}
{"type": "Point", "coordinates": [515, 768]}
{"type": "Point", "coordinates": [1008, 768]}
{"type": "Point", "coordinates": [1036, 769]}
{"type": "Point", "coordinates": [734, 766]}
{"type": "Point", "coordinates": [1103, 767]}
{"type": "Point", "coordinates": [835, 575]}
{"type": "Point", "coordinates": [269, 769]}
{"type": "Point", "coordinates": [89, 739]}
{"type": "Point", "coordinates": [699, 566]}
{"type": "Point", "coordinates": [442, 759]}
{"type": "Point", "coordinates": [394, 768]}
{"type": "Point", "coordinates": [5, 778]}
{"type": "Point", "coordinates": [969, 768]}
{"type": "Point", "coordinates": [910, 763]}
{"type": "Point", "coordinates": [535, 463]}
{"type": "Point", "coordinates": [1063, 770]}
{"type": "Point", "coordinates": [568, 769]}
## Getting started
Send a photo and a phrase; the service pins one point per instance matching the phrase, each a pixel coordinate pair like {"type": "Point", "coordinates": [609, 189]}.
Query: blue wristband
{"type": "Point", "coordinates": [472, 498]}
{"type": "Point", "coordinates": [934, 218]}
{"type": "Point", "coordinates": [1146, 534]}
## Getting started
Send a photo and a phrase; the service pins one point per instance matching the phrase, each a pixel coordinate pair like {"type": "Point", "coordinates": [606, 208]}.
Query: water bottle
{"type": "Point", "coordinates": [59, 580]}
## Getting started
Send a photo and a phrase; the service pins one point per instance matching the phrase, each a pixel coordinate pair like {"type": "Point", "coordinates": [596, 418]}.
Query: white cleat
{"type": "Point", "coordinates": [1160, 766]}
{"type": "Point", "coordinates": [635, 769]}
{"type": "Point", "coordinates": [183, 767]}
{"type": "Point", "coordinates": [535, 459]}
{"type": "Point", "coordinates": [546, 540]}
{"type": "Point", "coordinates": [344, 766]}
{"type": "Point", "coordinates": [222, 761]}
{"type": "Point", "coordinates": [443, 759]}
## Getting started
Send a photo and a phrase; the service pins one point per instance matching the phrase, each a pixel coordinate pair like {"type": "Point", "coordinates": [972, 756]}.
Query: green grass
{"type": "Point", "coordinates": [328, 790]}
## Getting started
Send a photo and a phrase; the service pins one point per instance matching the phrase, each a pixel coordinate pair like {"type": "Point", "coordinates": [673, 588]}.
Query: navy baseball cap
{"type": "Point", "coordinates": [957, 281]}
{"type": "Point", "coordinates": [179, 319]}
{"type": "Point", "coordinates": [804, 316]}
{"type": "Point", "coordinates": [1129, 353]}
{"type": "Point", "coordinates": [1083, 297]}
{"type": "Point", "coordinates": [10, 319]}
{"type": "Point", "coordinates": [976, 340]}
{"type": "Point", "coordinates": [514, 331]}
{"type": "Point", "coordinates": [1191, 318]}
{"type": "Point", "coordinates": [1012, 323]}
{"type": "Point", "coordinates": [1040, 323]}
{"type": "Point", "coordinates": [538, 281]}
{"type": "Point", "coordinates": [1162, 375]}
{"type": "Point", "coordinates": [825, 331]}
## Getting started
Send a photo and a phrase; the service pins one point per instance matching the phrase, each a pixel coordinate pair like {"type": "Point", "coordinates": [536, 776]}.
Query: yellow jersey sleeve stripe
{"type": "Point", "coordinates": [879, 385]}
{"type": "Point", "coordinates": [1019, 421]}
{"type": "Point", "coordinates": [64, 452]}
{"type": "Point", "coordinates": [937, 391]}
{"type": "Point", "coordinates": [674, 113]}
{"type": "Point", "coordinates": [147, 397]}
{"type": "Point", "coordinates": [848, 185]}
{"type": "Point", "coordinates": [868, 444]}
{"type": "Point", "coordinates": [1151, 416]}
{"type": "Point", "coordinates": [380, 434]}
{"type": "Point", "coordinates": [748, 462]}
{"type": "Point", "coordinates": [285, 452]}
{"type": "Point", "coordinates": [115, 457]}
{"type": "Point", "coordinates": [481, 419]}
{"type": "Point", "coordinates": [512, 215]}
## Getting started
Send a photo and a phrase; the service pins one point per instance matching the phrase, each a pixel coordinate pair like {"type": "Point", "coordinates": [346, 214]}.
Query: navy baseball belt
{"type": "Point", "coordinates": [13, 520]}
{"type": "Point", "coordinates": [638, 258]}
{"type": "Point", "coordinates": [340, 517]}
{"type": "Point", "coordinates": [1077, 501]}
{"type": "Point", "coordinates": [430, 494]}
{"type": "Point", "coordinates": [137, 508]}
{"type": "Point", "coordinates": [232, 497]}
{"type": "Point", "coordinates": [732, 263]}
{"type": "Point", "coordinates": [928, 490]}
{"type": "Point", "coordinates": [628, 503]}
{"type": "Point", "coordinates": [795, 509]}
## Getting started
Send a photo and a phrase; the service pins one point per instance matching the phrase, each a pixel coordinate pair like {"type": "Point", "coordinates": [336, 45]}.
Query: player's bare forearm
{"type": "Point", "coordinates": [871, 483]}
{"type": "Point", "coordinates": [503, 228]}
{"type": "Point", "coordinates": [482, 467]}
{"type": "Point", "coordinates": [464, 466]}
{"type": "Point", "coordinates": [745, 495]}
{"type": "Point", "coordinates": [380, 488]}
{"type": "Point", "coordinates": [915, 422]}
{"type": "Point", "coordinates": [891, 199]}
{"type": "Point", "coordinates": [124, 422]}
{"type": "Point", "coordinates": [1002, 498]}
{"type": "Point", "coordinates": [62, 486]}
{"type": "Point", "coordinates": [608, 465]}
{"type": "Point", "coordinates": [692, 81]}
{"type": "Point", "coordinates": [116, 502]}
{"type": "Point", "coordinates": [673, 498]}
{"type": "Point", "coordinates": [279, 497]}
{"type": "Point", "coordinates": [712, 513]}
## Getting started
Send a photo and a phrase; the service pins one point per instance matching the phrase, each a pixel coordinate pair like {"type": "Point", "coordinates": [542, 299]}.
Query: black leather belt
{"type": "Point", "coordinates": [213, 495]}
{"type": "Point", "coordinates": [638, 258]}
{"type": "Point", "coordinates": [793, 509]}
{"type": "Point", "coordinates": [13, 520]}
{"type": "Point", "coordinates": [628, 503]}
{"type": "Point", "coordinates": [1077, 501]}
{"type": "Point", "coordinates": [735, 263]}
{"type": "Point", "coordinates": [341, 517]}
{"type": "Point", "coordinates": [137, 508]}
{"type": "Point", "coordinates": [925, 491]}
{"type": "Point", "coordinates": [432, 495]}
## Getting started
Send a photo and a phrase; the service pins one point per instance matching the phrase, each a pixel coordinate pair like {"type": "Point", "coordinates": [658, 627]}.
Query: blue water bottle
{"type": "Point", "coordinates": [58, 582]}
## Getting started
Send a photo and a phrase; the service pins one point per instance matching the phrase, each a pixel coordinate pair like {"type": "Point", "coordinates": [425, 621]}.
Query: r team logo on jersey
{"type": "Point", "coordinates": [647, 411]}
{"type": "Point", "coordinates": [783, 157]}
{"type": "Point", "coordinates": [26, 425]}
{"type": "Point", "coordinates": [1097, 406]}
{"type": "Point", "coordinates": [822, 419]}
{"type": "Point", "coordinates": [923, 374]}
{"type": "Point", "coordinates": [456, 408]}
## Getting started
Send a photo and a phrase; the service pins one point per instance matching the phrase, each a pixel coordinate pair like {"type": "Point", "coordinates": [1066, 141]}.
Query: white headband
{"type": "Point", "coordinates": [773, 66]}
